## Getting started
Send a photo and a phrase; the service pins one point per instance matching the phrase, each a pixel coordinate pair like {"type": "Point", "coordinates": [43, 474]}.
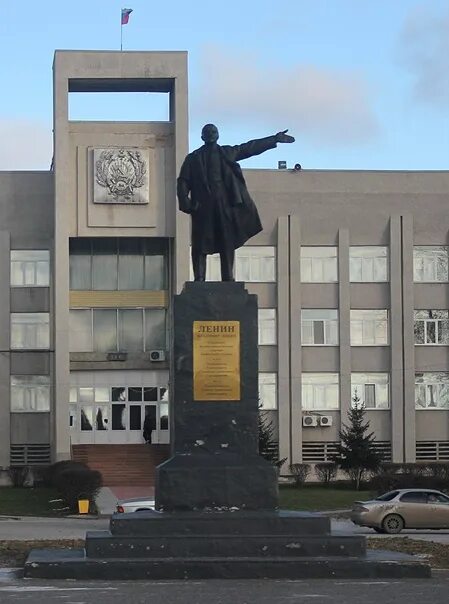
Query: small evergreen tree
{"type": "Point", "coordinates": [267, 441]}
{"type": "Point", "coordinates": [356, 454]}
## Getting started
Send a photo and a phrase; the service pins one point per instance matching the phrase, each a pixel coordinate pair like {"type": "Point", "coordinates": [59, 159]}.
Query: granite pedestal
{"type": "Point", "coordinates": [217, 499]}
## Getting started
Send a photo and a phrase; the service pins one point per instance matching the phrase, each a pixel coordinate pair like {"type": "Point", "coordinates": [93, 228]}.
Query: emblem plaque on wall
{"type": "Point", "coordinates": [121, 175]}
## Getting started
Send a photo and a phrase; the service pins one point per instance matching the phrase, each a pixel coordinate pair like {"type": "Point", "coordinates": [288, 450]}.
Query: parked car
{"type": "Point", "coordinates": [403, 508]}
{"type": "Point", "coordinates": [138, 504]}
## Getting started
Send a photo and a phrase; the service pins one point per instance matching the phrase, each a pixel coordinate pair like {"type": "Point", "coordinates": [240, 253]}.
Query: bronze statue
{"type": "Point", "coordinates": [211, 188]}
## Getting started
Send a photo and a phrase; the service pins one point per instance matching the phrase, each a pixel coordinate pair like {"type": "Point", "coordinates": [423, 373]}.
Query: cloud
{"type": "Point", "coordinates": [326, 106]}
{"type": "Point", "coordinates": [424, 46]}
{"type": "Point", "coordinates": [25, 144]}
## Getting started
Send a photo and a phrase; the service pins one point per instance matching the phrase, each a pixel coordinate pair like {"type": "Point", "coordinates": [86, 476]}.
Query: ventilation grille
{"type": "Point", "coordinates": [318, 451]}
{"type": "Point", "coordinates": [315, 452]}
{"type": "Point", "coordinates": [30, 455]}
{"type": "Point", "coordinates": [383, 447]}
{"type": "Point", "coordinates": [427, 450]}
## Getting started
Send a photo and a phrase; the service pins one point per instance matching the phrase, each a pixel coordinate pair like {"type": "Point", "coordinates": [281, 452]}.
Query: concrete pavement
{"type": "Point", "coordinates": [27, 528]}
{"type": "Point", "coordinates": [326, 591]}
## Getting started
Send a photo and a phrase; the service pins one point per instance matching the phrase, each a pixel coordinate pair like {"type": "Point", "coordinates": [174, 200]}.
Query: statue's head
{"type": "Point", "coordinates": [209, 133]}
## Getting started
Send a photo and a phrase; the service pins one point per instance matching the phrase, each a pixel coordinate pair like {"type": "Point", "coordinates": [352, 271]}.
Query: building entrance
{"type": "Point", "coordinates": [112, 414]}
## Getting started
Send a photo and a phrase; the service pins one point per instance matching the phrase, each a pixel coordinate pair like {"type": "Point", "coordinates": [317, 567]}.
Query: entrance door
{"type": "Point", "coordinates": [119, 419]}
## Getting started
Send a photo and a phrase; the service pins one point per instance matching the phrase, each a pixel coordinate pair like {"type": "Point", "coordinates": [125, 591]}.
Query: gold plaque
{"type": "Point", "coordinates": [216, 360]}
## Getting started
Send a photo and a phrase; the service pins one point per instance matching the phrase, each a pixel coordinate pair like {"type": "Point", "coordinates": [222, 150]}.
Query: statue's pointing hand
{"type": "Point", "coordinates": [283, 137]}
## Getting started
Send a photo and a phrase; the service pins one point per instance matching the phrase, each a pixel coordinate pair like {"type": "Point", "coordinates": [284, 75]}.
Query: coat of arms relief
{"type": "Point", "coordinates": [121, 175]}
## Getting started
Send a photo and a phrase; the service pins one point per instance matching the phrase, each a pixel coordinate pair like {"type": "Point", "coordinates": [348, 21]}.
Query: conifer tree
{"type": "Point", "coordinates": [356, 454]}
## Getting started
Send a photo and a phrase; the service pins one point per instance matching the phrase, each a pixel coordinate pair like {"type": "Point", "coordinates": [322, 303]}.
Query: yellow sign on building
{"type": "Point", "coordinates": [216, 360]}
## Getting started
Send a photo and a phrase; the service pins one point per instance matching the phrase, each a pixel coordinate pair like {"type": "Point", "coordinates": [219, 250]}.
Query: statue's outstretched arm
{"type": "Point", "coordinates": [260, 145]}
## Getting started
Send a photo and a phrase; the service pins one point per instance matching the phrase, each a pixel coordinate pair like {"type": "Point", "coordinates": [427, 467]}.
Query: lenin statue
{"type": "Point", "coordinates": [211, 188]}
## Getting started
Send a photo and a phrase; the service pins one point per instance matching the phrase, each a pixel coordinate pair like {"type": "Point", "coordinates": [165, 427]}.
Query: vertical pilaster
{"type": "Point", "coordinates": [5, 321]}
{"type": "Point", "coordinates": [344, 302]}
{"type": "Point", "coordinates": [295, 339]}
{"type": "Point", "coordinates": [61, 435]}
{"type": "Point", "coordinates": [283, 326]}
{"type": "Point", "coordinates": [409, 339]}
{"type": "Point", "coordinates": [396, 343]}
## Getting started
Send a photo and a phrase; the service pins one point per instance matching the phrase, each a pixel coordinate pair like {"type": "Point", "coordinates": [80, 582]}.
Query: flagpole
{"type": "Point", "coordinates": [121, 35]}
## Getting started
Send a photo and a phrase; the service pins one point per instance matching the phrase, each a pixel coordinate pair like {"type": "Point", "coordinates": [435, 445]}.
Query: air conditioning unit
{"type": "Point", "coordinates": [157, 355]}
{"type": "Point", "coordinates": [309, 421]}
{"type": "Point", "coordinates": [326, 420]}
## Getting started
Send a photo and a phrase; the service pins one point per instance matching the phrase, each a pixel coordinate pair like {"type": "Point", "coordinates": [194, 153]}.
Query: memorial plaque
{"type": "Point", "coordinates": [216, 360]}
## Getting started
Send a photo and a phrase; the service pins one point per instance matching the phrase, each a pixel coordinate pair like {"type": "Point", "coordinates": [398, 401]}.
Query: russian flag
{"type": "Point", "coordinates": [125, 15]}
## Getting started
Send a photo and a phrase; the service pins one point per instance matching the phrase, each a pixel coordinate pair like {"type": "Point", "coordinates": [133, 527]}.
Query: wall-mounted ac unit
{"type": "Point", "coordinates": [157, 355]}
{"type": "Point", "coordinates": [326, 420]}
{"type": "Point", "coordinates": [309, 421]}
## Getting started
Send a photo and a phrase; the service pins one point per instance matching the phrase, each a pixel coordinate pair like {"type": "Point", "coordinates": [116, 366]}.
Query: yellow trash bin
{"type": "Point", "coordinates": [83, 506]}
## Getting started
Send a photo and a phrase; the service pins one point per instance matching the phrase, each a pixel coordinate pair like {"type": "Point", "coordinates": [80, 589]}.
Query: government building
{"type": "Point", "coordinates": [351, 273]}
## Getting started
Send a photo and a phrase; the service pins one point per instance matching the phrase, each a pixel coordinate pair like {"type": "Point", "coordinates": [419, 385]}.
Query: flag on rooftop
{"type": "Point", "coordinates": [125, 15]}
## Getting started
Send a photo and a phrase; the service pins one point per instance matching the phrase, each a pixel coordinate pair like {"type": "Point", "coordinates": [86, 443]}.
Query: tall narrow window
{"type": "Point", "coordinates": [81, 263]}
{"type": "Point", "coordinates": [130, 329]}
{"type": "Point", "coordinates": [80, 330]}
{"type": "Point", "coordinates": [268, 390]}
{"type": "Point", "coordinates": [105, 330]}
{"type": "Point", "coordinates": [104, 264]}
{"type": "Point", "coordinates": [267, 326]}
{"type": "Point", "coordinates": [130, 264]}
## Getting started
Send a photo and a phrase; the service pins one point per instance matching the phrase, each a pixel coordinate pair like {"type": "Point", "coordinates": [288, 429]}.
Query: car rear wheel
{"type": "Point", "coordinates": [378, 529]}
{"type": "Point", "coordinates": [392, 524]}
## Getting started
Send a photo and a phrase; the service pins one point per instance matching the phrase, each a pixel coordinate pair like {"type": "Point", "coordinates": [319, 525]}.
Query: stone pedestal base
{"type": "Point", "coordinates": [221, 545]}
{"type": "Point", "coordinates": [189, 482]}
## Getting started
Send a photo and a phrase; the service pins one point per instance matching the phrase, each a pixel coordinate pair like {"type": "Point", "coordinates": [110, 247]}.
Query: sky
{"type": "Point", "coordinates": [361, 85]}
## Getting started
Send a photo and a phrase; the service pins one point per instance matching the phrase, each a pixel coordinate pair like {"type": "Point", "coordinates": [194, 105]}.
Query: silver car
{"type": "Point", "coordinates": [138, 504]}
{"type": "Point", "coordinates": [403, 508]}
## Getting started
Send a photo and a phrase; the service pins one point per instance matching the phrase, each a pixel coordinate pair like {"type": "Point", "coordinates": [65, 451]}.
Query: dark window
{"type": "Point", "coordinates": [119, 394]}
{"type": "Point", "coordinates": [134, 393]}
{"type": "Point", "coordinates": [150, 394]}
{"type": "Point", "coordinates": [118, 417]}
{"type": "Point", "coordinates": [135, 422]}
{"type": "Point", "coordinates": [437, 498]}
{"type": "Point", "coordinates": [414, 497]}
{"type": "Point", "coordinates": [388, 496]}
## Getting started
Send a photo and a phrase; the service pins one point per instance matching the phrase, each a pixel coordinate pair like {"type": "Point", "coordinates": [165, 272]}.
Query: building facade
{"type": "Point", "coordinates": [351, 272]}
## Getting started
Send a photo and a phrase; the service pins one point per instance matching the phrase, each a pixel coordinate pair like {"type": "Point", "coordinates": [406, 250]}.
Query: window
{"type": "Point", "coordinates": [430, 263]}
{"type": "Point", "coordinates": [368, 263]}
{"type": "Point", "coordinates": [112, 330]}
{"type": "Point", "coordinates": [30, 393]}
{"type": "Point", "coordinates": [414, 497]}
{"type": "Point", "coordinates": [431, 327]}
{"type": "Point", "coordinates": [252, 264]}
{"type": "Point", "coordinates": [30, 330]}
{"type": "Point", "coordinates": [319, 327]}
{"type": "Point", "coordinates": [268, 391]}
{"type": "Point", "coordinates": [255, 263]}
{"type": "Point", "coordinates": [124, 263]}
{"type": "Point", "coordinates": [432, 390]}
{"type": "Point", "coordinates": [320, 391]}
{"type": "Point", "coordinates": [319, 265]}
{"type": "Point", "coordinates": [30, 268]}
{"type": "Point", "coordinates": [372, 390]}
{"type": "Point", "coordinates": [369, 327]}
{"type": "Point", "coordinates": [267, 326]}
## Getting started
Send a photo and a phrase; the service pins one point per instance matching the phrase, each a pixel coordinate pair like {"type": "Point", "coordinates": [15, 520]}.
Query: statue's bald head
{"type": "Point", "coordinates": [209, 133]}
